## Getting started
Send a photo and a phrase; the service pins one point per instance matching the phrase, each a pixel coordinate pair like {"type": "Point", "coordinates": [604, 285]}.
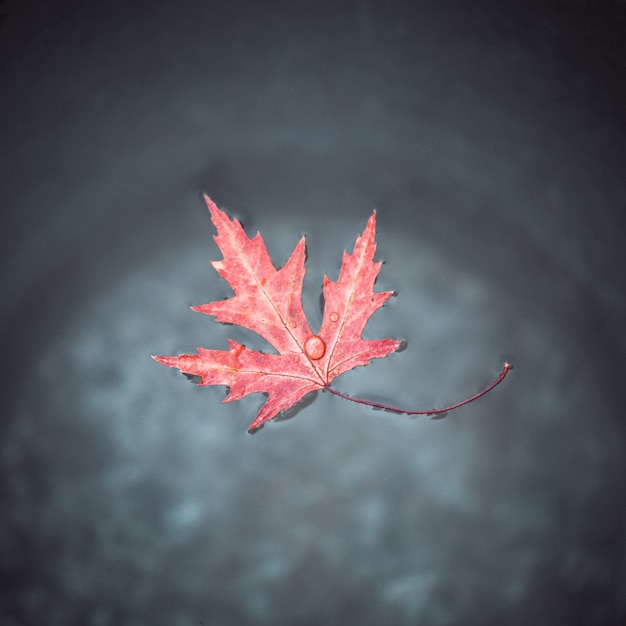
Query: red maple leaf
{"type": "Point", "coordinates": [268, 302]}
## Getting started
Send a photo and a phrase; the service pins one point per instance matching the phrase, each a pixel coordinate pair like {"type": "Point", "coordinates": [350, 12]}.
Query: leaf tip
{"type": "Point", "coordinates": [256, 425]}
{"type": "Point", "coordinates": [163, 360]}
{"type": "Point", "coordinates": [213, 208]}
{"type": "Point", "coordinates": [371, 222]}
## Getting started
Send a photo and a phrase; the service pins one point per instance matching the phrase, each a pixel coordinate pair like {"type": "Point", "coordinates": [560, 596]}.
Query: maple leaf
{"type": "Point", "coordinates": [268, 301]}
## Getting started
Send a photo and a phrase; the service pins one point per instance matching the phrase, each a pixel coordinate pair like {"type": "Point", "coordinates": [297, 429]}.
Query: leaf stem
{"type": "Point", "coordinates": [376, 405]}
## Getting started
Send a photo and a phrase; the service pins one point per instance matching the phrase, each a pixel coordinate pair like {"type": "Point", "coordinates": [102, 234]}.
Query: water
{"type": "Point", "coordinates": [132, 496]}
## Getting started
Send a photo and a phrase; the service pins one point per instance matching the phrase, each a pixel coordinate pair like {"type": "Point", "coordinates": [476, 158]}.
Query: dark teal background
{"type": "Point", "coordinates": [490, 137]}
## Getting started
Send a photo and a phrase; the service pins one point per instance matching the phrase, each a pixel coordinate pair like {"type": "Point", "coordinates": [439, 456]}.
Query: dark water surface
{"type": "Point", "coordinates": [490, 140]}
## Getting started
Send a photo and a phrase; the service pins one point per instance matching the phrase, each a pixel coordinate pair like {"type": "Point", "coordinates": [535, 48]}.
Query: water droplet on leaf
{"type": "Point", "coordinates": [314, 347]}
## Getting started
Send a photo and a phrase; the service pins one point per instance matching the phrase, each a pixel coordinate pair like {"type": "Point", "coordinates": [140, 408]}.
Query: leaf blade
{"type": "Point", "coordinates": [269, 302]}
{"type": "Point", "coordinates": [349, 304]}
